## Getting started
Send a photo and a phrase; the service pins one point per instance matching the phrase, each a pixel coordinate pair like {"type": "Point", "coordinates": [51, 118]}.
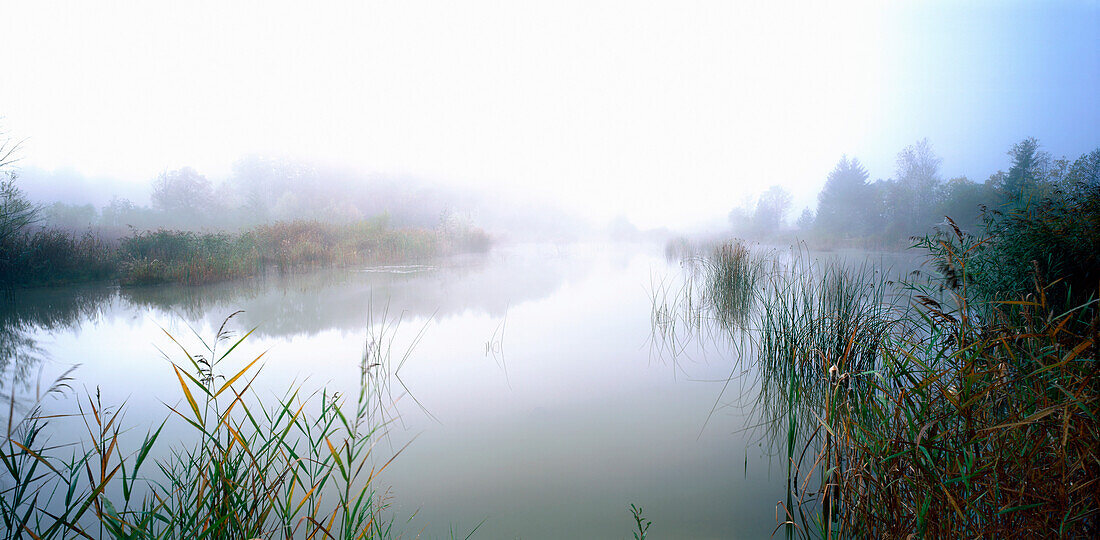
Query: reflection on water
{"type": "Point", "coordinates": [25, 314]}
{"type": "Point", "coordinates": [539, 406]}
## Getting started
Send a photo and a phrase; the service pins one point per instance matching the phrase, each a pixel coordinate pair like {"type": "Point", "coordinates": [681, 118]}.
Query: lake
{"type": "Point", "coordinates": [535, 401]}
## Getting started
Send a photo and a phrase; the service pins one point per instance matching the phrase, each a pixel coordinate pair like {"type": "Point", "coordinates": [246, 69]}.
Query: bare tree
{"type": "Point", "coordinates": [16, 212]}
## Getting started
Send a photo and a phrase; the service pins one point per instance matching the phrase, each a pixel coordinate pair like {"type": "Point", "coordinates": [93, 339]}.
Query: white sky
{"type": "Point", "coordinates": [668, 112]}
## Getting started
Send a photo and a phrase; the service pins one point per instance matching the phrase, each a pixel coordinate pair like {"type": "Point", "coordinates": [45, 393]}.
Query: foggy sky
{"type": "Point", "coordinates": [668, 112]}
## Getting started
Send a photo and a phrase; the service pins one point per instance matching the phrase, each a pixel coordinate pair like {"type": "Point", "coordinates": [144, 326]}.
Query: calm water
{"type": "Point", "coordinates": [534, 401]}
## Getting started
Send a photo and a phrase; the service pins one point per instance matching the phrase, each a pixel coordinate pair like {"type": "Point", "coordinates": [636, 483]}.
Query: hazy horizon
{"type": "Point", "coordinates": [667, 114]}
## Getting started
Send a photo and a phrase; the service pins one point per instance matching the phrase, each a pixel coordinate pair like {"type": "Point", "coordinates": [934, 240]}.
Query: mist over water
{"type": "Point", "coordinates": [541, 401]}
{"type": "Point", "coordinates": [571, 257]}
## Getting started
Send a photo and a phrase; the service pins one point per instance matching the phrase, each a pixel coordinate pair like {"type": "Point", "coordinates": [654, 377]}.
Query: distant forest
{"type": "Point", "coordinates": [854, 211]}
{"type": "Point", "coordinates": [260, 191]}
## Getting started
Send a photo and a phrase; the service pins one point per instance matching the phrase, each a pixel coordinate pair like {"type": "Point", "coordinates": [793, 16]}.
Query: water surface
{"type": "Point", "coordinates": [534, 402]}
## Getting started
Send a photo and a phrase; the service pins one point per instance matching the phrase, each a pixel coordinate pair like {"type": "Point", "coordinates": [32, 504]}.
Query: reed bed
{"type": "Point", "coordinates": [50, 257]}
{"type": "Point", "coordinates": [299, 466]}
{"type": "Point", "coordinates": [193, 258]}
{"type": "Point", "coordinates": [711, 302]}
{"type": "Point", "coordinates": [732, 276]}
{"type": "Point", "coordinates": [932, 409]}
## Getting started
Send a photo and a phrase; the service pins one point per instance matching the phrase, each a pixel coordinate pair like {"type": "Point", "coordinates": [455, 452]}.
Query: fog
{"type": "Point", "coordinates": [526, 268]}
{"type": "Point", "coordinates": [261, 190]}
{"type": "Point", "coordinates": [664, 114]}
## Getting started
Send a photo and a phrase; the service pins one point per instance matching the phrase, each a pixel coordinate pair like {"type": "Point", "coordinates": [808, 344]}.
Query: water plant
{"type": "Point", "coordinates": [296, 467]}
{"type": "Point", "coordinates": [640, 522]}
{"type": "Point", "coordinates": [926, 407]}
{"type": "Point", "coordinates": [716, 295]}
{"type": "Point", "coordinates": [50, 257]}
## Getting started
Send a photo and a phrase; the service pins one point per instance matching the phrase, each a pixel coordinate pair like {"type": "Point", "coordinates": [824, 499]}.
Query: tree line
{"type": "Point", "coordinates": [852, 209]}
{"type": "Point", "coordinates": [260, 191]}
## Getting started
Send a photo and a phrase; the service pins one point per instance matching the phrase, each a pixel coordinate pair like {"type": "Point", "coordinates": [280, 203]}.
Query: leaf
{"type": "Point", "coordinates": [36, 456]}
{"type": "Point", "coordinates": [336, 456]}
{"type": "Point", "coordinates": [239, 373]}
{"type": "Point", "coordinates": [187, 392]}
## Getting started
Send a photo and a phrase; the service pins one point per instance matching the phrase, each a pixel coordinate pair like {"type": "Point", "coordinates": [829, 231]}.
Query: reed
{"type": "Point", "coordinates": [641, 524]}
{"type": "Point", "coordinates": [936, 408]}
{"type": "Point", "coordinates": [194, 258]}
{"type": "Point", "coordinates": [732, 276]}
{"type": "Point", "coordinates": [936, 414]}
{"type": "Point", "coordinates": [296, 467]}
{"type": "Point", "coordinates": [52, 257]}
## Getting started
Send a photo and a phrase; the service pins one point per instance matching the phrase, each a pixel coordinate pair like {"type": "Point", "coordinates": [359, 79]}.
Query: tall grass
{"type": "Point", "coordinates": [185, 257]}
{"type": "Point", "coordinates": [193, 258]}
{"type": "Point", "coordinates": [710, 303]}
{"type": "Point", "coordinates": [50, 257]}
{"type": "Point", "coordinates": [927, 409]}
{"type": "Point", "coordinates": [816, 319]}
{"type": "Point", "coordinates": [732, 275]}
{"type": "Point", "coordinates": [296, 467]}
{"type": "Point", "coordinates": [718, 289]}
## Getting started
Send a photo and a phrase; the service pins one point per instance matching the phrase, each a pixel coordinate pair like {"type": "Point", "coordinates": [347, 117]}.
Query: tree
{"type": "Point", "coordinates": [845, 205]}
{"type": "Point", "coordinates": [184, 194]}
{"type": "Point", "coordinates": [771, 210]}
{"type": "Point", "coordinates": [16, 212]}
{"type": "Point", "coordinates": [962, 200]}
{"type": "Point", "coordinates": [1085, 171]}
{"type": "Point", "coordinates": [911, 198]}
{"type": "Point", "coordinates": [1029, 164]}
{"type": "Point", "coordinates": [70, 217]}
{"type": "Point", "coordinates": [805, 220]}
{"type": "Point", "coordinates": [740, 218]}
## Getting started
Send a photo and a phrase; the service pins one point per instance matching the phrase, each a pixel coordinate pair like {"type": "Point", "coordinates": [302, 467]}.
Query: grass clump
{"type": "Point", "coordinates": [940, 415]}
{"type": "Point", "coordinates": [732, 276]}
{"type": "Point", "coordinates": [298, 467]}
{"type": "Point", "coordinates": [195, 258]}
{"type": "Point", "coordinates": [185, 257]}
{"type": "Point", "coordinates": [962, 405]}
{"type": "Point", "coordinates": [715, 297]}
{"type": "Point", "coordinates": [52, 257]}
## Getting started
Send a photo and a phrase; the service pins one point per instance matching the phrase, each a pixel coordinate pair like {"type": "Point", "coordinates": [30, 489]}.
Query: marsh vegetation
{"type": "Point", "coordinates": [956, 399]}
{"type": "Point", "coordinates": [960, 400]}
{"type": "Point", "coordinates": [297, 466]}
{"type": "Point", "coordinates": [367, 269]}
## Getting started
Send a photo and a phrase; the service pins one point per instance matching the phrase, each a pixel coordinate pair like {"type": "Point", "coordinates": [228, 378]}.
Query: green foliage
{"type": "Point", "coordinates": [184, 257]}
{"type": "Point", "coordinates": [887, 213]}
{"type": "Point", "coordinates": [1085, 171]}
{"type": "Point", "coordinates": [1050, 245]}
{"type": "Point", "coordinates": [965, 201]}
{"type": "Point", "coordinates": [53, 257]}
{"type": "Point", "coordinates": [1029, 165]}
{"type": "Point", "coordinates": [962, 406]}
